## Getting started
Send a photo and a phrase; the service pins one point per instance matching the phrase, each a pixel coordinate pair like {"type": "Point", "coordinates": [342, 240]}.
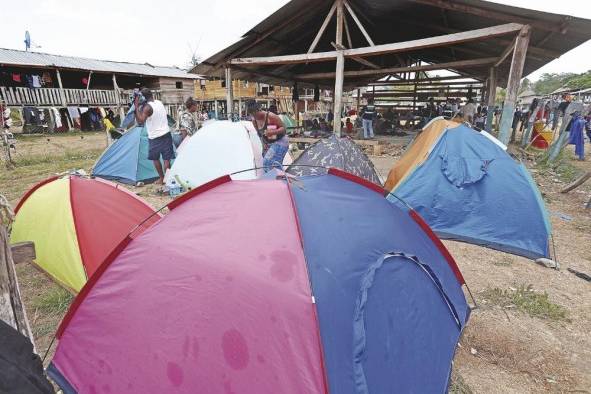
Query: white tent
{"type": "Point", "coordinates": [219, 148]}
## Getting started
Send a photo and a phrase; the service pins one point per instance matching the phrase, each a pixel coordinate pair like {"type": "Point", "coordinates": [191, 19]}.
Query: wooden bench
{"type": "Point", "coordinates": [377, 148]}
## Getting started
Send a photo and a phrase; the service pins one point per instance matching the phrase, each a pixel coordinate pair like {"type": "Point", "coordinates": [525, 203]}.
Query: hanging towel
{"type": "Point", "coordinates": [83, 110]}
{"type": "Point", "coordinates": [73, 111]}
{"type": "Point", "coordinates": [36, 81]}
{"type": "Point", "coordinates": [16, 77]}
{"type": "Point", "coordinates": [57, 116]}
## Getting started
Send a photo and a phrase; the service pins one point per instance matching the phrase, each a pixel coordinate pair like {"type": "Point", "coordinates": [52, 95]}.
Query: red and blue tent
{"type": "Point", "coordinates": [278, 285]}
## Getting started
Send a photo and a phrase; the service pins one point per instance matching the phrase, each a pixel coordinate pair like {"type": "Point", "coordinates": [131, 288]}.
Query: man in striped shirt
{"type": "Point", "coordinates": [369, 114]}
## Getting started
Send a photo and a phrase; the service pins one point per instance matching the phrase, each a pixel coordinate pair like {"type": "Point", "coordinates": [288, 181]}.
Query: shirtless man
{"type": "Point", "coordinates": [273, 133]}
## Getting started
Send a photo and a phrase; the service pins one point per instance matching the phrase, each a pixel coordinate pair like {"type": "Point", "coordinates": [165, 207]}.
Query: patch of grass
{"type": "Point", "coordinates": [526, 300]}
{"type": "Point", "coordinates": [54, 301]}
{"type": "Point", "coordinates": [561, 167]}
{"type": "Point", "coordinates": [67, 157]}
{"type": "Point", "coordinates": [458, 385]}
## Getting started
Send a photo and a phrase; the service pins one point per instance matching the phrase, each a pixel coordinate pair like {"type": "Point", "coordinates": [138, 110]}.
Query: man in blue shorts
{"type": "Point", "coordinates": [152, 114]}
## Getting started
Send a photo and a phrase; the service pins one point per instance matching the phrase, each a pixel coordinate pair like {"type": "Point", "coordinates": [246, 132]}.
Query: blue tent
{"type": "Point", "coordinates": [126, 160]}
{"type": "Point", "coordinates": [470, 189]}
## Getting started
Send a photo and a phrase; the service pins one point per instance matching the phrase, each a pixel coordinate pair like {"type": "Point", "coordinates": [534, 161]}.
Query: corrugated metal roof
{"type": "Point", "coordinates": [39, 59]}
{"type": "Point", "coordinates": [397, 21]}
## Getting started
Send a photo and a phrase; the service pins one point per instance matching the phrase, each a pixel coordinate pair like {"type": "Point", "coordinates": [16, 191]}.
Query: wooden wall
{"type": "Point", "coordinates": [214, 91]}
{"type": "Point", "coordinates": [169, 92]}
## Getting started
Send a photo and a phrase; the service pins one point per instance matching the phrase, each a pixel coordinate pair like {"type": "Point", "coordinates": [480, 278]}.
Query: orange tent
{"type": "Point", "coordinates": [418, 152]}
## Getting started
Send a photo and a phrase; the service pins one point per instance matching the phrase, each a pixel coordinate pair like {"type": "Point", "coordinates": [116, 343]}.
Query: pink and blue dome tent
{"type": "Point", "coordinates": [283, 285]}
{"type": "Point", "coordinates": [126, 160]}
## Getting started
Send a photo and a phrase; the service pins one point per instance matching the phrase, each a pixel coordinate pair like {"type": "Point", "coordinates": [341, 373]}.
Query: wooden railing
{"type": "Point", "coordinates": [40, 97]}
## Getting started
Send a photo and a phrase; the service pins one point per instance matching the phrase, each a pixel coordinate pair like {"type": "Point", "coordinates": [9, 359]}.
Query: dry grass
{"type": "Point", "coordinates": [524, 299]}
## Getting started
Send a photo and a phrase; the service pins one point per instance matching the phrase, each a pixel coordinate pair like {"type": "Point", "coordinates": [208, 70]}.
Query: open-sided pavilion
{"type": "Point", "coordinates": [351, 43]}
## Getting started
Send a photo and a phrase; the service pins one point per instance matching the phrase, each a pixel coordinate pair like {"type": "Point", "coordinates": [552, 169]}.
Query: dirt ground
{"type": "Point", "coordinates": [537, 346]}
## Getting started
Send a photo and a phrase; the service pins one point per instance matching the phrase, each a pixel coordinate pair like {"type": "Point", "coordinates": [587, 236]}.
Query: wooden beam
{"type": "Point", "coordinates": [506, 53]}
{"type": "Point", "coordinates": [492, 95]}
{"type": "Point", "coordinates": [517, 63]}
{"type": "Point", "coordinates": [386, 71]}
{"type": "Point", "coordinates": [323, 27]}
{"type": "Point", "coordinates": [357, 58]}
{"type": "Point", "coordinates": [540, 53]}
{"type": "Point", "coordinates": [229, 94]}
{"type": "Point", "coordinates": [348, 32]}
{"type": "Point", "coordinates": [358, 22]}
{"type": "Point", "coordinates": [340, 68]}
{"type": "Point", "coordinates": [399, 47]}
{"type": "Point", "coordinates": [23, 252]}
{"type": "Point", "coordinates": [491, 14]}
{"type": "Point", "coordinates": [429, 80]}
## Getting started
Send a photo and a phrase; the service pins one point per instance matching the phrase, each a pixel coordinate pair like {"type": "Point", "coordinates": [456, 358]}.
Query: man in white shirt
{"type": "Point", "coordinates": [152, 115]}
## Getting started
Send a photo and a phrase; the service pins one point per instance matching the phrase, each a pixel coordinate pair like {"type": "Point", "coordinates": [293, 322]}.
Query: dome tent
{"type": "Point", "coordinates": [75, 223]}
{"type": "Point", "coordinates": [219, 148]}
{"type": "Point", "coordinates": [468, 188]}
{"type": "Point", "coordinates": [293, 304]}
{"type": "Point", "coordinates": [126, 160]}
{"type": "Point", "coordinates": [335, 152]}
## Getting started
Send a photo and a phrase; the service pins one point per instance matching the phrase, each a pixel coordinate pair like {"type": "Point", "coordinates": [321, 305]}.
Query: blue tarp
{"type": "Point", "coordinates": [469, 189]}
{"type": "Point", "coordinates": [126, 160]}
{"type": "Point", "coordinates": [390, 307]}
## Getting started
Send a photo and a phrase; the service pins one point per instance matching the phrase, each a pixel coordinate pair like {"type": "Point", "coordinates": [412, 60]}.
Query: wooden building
{"type": "Point", "coordinates": [345, 44]}
{"type": "Point", "coordinates": [44, 80]}
{"type": "Point", "coordinates": [212, 94]}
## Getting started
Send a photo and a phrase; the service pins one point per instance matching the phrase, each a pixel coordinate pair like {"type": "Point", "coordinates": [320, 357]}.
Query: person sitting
{"type": "Point", "coordinates": [348, 126]}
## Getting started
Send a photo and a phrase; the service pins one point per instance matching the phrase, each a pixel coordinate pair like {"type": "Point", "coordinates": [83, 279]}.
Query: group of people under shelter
{"type": "Point", "coordinates": [151, 113]}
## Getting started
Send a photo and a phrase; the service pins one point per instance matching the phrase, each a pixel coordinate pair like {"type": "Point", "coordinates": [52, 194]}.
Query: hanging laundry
{"type": "Point", "coordinates": [576, 137]}
{"type": "Point", "coordinates": [85, 81]}
{"type": "Point", "coordinates": [83, 110]}
{"type": "Point", "coordinates": [57, 117]}
{"type": "Point", "coordinates": [29, 81]}
{"type": "Point", "coordinates": [36, 81]}
{"type": "Point", "coordinates": [16, 77]}
{"type": "Point", "coordinates": [73, 111]}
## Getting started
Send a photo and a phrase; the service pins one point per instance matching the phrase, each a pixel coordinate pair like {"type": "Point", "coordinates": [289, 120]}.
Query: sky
{"type": "Point", "coordinates": [168, 32]}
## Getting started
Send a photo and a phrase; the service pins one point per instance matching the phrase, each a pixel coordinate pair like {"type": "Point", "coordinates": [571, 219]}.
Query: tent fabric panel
{"type": "Point", "coordinates": [219, 148]}
{"type": "Point", "coordinates": [103, 216]}
{"type": "Point", "coordinates": [478, 212]}
{"type": "Point", "coordinates": [400, 299]}
{"type": "Point", "coordinates": [56, 243]}
{"type": "Point", "coordinates": [418, 152]}
{"type": "Point", "coordinates": [146, 172]}
{"type": "Point", "coordinates": [335, 152]}
{"type": "Point", "coordinates": [120, 160]}
{"type": "Point", "coordinates": [358, 226]}
{"type": "Point", "coordinates": [243, 317]}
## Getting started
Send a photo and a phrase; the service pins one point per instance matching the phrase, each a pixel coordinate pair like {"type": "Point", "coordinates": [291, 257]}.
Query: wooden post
{"type": "Point", "coordinates": [519, 54]}
{"type": "Point", "coordinates": [59, 82]}
{"type": "Point", "coordinates": [229, 94]}
{"type": "Point", "coordinates": [358, 99]}
{"type": "Point", "coordinates": [492, 95]}
{"type": "Point", "coordinates": [340, 71]}
{"type": "Point", "coordinates": [216, 108]}
{"type": "Point", "coordinates": [89, 78]}
{"type": "Point", "coordinates": [12, 310]}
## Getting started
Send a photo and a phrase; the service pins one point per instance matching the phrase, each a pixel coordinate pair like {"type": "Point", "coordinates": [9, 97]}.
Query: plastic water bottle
{"type": "Point", "coordinates": [175, 189]}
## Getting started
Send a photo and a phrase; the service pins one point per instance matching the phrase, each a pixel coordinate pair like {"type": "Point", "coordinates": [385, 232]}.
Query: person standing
{"type": "Point", "coordinates": [369, 114]}
{"type": "Point", "coordinates": [187, 125]}
{"type": "Point", "coordinates": [152, 115]}
{"type": "Point", "coordinates": [468, 111]}
{"type": "Point", "coordinates": [273, 134]}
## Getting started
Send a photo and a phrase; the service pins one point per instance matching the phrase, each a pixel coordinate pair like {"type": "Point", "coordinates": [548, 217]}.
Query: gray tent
{"type": "Point", "coordinates": [335, 152]}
